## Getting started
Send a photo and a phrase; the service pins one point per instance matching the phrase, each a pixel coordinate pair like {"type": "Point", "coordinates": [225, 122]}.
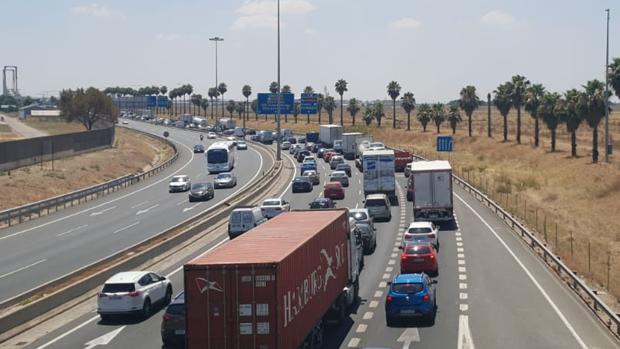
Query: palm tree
{"type": "Point", "coordinates": [308, 89]}
{"type": "Point", "coordinates": [378, 112]}
{"type": "Point", "coordinates": [195, 100]}
{"type": "Point", "coordinates": [594, 103]}
{"type": "Point", "coordinates": [533, 95]}
{"type": "Point", "coordinates": [246, 90]}
{"type": "Point", "coordinates": [240, 108]}
{"type": "Point", "coordinates": [408, 103]}
{"type": "Point", "coordinates": [503, 102]}
{"type": "Point", "coordinates": [204, 105]}
{"type": "Point", "coordinates": [341, 88]}
{"type": "Point", "coordinates": [425, 113]}
{"type": "Point", "coordinates": [519, 86]}
{"type": "Point", "coordinates": [573, 117]}
{"type": "Point", "coordinates": [439, 115]}
{"type": "Point", "coordinates": [296, 110]}
{"type": "Point", "coordinates": [319, 101]}
{"type": "Point", "coordinates": [230, 106]}
{"type": "Point", "coordinates": [353, 108]}
{"type": "Point", "coordinates": [212, 93]}
{"type": "Point", "coordinates": [163, 90]}
{"type": "Point", "coordinates": [329, 104]}
{"type": "Point", "coordinates": [368, 114]}
{"type": "Point", "coordinates": [172, 96]}
{"type": "Point", "coordinates": [273, 88]}
{"type": "Point", "coordinates": [253, 107]}
{"type": "Point", "coordinates": [187, 90]}
{"type": "Point", "coordinates": [286, 89]}
{"type": "Point", "coordinates": [469, 102]}
{"type": "Point", "coordinates": [222, 88]}
{"type": "Point", "coordinates": [393, 90]}
{"type": "Point", "coordinates": [551, 107]}
{"type": "Point", "coordinates": [614, 75]}
{"type": "Point", "coordinates": [454, 117]}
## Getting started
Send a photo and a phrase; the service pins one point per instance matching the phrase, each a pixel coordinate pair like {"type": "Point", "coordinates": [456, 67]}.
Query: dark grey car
{"type": "Point", "coordinates": [201, 191]}
{"type": "Point", "coordinates": [173, 322]}
{"type": "Point", "coordinates": [369, 237]}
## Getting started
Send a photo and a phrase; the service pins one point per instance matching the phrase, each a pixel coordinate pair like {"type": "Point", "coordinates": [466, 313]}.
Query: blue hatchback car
{"type": "Point", "coordinates": [411, 295]}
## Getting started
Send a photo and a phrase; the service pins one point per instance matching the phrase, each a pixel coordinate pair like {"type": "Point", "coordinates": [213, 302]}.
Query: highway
{"type": "Point", "coordinates": [492, 292]}
{"type": "Point", "coordinates": [47, 248]}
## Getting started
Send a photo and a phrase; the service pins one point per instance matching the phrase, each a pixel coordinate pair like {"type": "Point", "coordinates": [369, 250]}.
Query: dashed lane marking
{"type": "Point", "coordinates": [392, 261]}
{"type": "Point", "coordinates": [361, 328]}
{"type": "Point", "coordinates": [389, 269]}
{"type": "Point", "coordinates": [373, 304]}
{"type": "Point", "coordinates": [386, 276]}
{"type": "Point", "coordinates": [463, 307]}
{"type": "Point", "coordinates": [460, 249]}
{"type": "Point", "coordinates": [462, 277]}
{"type": "Point", "coordinates": [461, 262]}
{"type": "Point", "coordinates": [458, 238]}
{"type": "Point", "coordinates": [459, 244]}
{"type": "Point", "coordinates": [463, 296]}
{"type": "Point", "coordinates": [368, 315]}
{"type": "Point", "coordinates": [394, 255]}
{"type": "Point", "coordinates": [462, 285]}
{"type": "Point", "coordinates": [462, 270]}
{"type": "Point", "coordinates": [460, 255]}
{"type": "Point", "coordinates": [354, 343]}
{"type": "Point", "coordinates": [378, 294]}
{"type": "Point", "coordinates": [382, 284]}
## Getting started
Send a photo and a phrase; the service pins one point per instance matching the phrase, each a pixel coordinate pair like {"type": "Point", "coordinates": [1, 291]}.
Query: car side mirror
{"type": "Point", "coordinates": [433, 281]}
{"type": "Point", "coordinates": [400, 247]}
{"type": "Point", "coordinates": [389, 283]}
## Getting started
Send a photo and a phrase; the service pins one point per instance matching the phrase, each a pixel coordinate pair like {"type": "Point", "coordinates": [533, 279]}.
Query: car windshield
{"type": "Point", "coordinates": [309, 173]}
{"type": "Point", "coordinates": [419, 230]}
{"type": "Point", "coordinates": [223, 176]}
{"type": "Point", "coordinates": [418, 249]}
{"type": "Point", "coordinates": [271, 203]}
{"type": "Point", "coordinates": [217, 156]}
{"type": "Point", "coordinates": [407, 288]}
{"type": "Point", "coordinates": [118, 288]}
{"type": "Point", "coordinates": [240, 142]}
{"type": "Point", "coordinates": [375, 203]}
{"type": "Point", "coordinates": [199, 186]}
{"type": "Point", "coordinates": [177, 179]}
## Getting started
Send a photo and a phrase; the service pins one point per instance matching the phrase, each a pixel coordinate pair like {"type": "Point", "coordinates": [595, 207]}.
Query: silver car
{"type": "Point", "coordinates": [225, 180]}
{"type": "Point", "coordinates": [361, 216]}
{"type": "Point", "coordinates": [378, 206]}
{"type": "Point", "coordinates": [179, 183]}
{"type": "Point", "coordinates": [313, 175]}
{"type": "Point", "coordinates": [335, 160]}
{"type": "Point", "coordinates": [339, 176]}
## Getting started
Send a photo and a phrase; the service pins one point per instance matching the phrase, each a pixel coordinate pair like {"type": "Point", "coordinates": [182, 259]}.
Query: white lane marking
{"type": "Point", "coordinates": [378, 294]}
{"type": "Point", "coordinates": [146, 209]}
{"type": "Point", "coordinates": [463, 295]}
{"type": "Point", "coordinates": [191, 207]}
{"type": "Point", "coordinates": [140, 204]}
{"type": "Point", "coordinates": [98, 213]}
{"type": "Point", "coordinates": [72, 230]}
{"type": "Point", "coordinates": [460, 255]}
{"type": "Point", "coordinates": [462, 285]}
{"type": "Point", "coordinates": [397, 243]}
{"type": "Point", "coordinates": [373, 304]}
{"type": "Point", "coordinates": [460, 244]}
{"type": "Point", "coordinates": [389, 269]}
{"type": "Point", "coordinates": [125, 228]}
{"type": "Point", "coordinates": [386, 276]}
{"type": "Point", "coordinates": [458, 233]}
{"type": "Point", "coordinates": [359, 193]}
{"type": "Point", "coordinates": [464, 337]}
{"type": "Point", "coordinates": [181, 203]}
{"type": "Point", "coordinates": [458, 238]}
{"type": "Point", "coordinates": [361, 328]}
{"type": "Point", "coordinates": [22, 268]}
{"type": "Point", "coordinates": [463, 307]}
{"type": "Point", "coordinates": [461, 262]}
{"type": "Point", "coordinates": [462, 269]}
{"type": "Point", "coordinates": [409, 335]}
{"type": "Point", "coordinates": [368, 315]}
{"type": "Point", "coordinates": [395, 249]}
{"type": "Point", "coordinates": [392, 261]}
{"type": "Point", "coordinates": [103, 340]}
{"type": "Point", "coordinates": [460, 249]}
{"type": "Point", "coordinates": [382, 284]}
{"type": "Point", "coordinates": [531, 277]}
{"type": "Point", "coordinates": [107, 202]}
{"type": "Point", "coordinates": [354, 343]}
{"type": "Point", "coordinates": [394, 255]}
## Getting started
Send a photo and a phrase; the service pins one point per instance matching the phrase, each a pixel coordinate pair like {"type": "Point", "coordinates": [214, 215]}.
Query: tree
{"type": "Point", "coordinates": [286, 89]}
{"type": "Point", "coordinates": [378, 112]}
{"type": "Point", "coordinates": [368, 114]}
{"type": "Point", "coordinates": [393, 90]}
{"type": "Point", "coordinates": [240, 108]}
{"type": "Point", "coordinates": [212, 93]}
{"type": "Point", "coordinates": [454, 117]}
{"type": "Point", "coordinates": [469, 102]}
{"type": "Point", "coordinates": [533, 97]}
{"type": "Point", "coordinates": [246, 90]}
{"type": "Point", "coordinates": [319, 104]}
{"type": "Point", "coordinates": [425, 112]}
{"type": "Point", "coordinates": [551, 107]}
{"type": "Point", "coordinates": [341, 88]}
{"type": "Point", "coordinates": [594, 103]}
{"type": "Point", "coordinates": [519, 86]}
{"type": "Point", "coordinates": [204, 105]}
{"type": "Point", "coordinates": [273, 88]}
{"type": "Point", "coordinates": [439, 115]}
{"type": "Point", "coordinates": [230, 106]}
{"type": "Point", "coordinates": [574, 116]}
{"type": "Point", "coordinates": [253, 107]}
{"type": "Point", "coordinates": [329, 105]}
{"type": "Point", "coordinates": [614, 75]}
{"type": "Point", "coordinates": [163, 90]}
{"type": "Point", "coordinates": [87, 106]}
{"type": "Point", "coordinates": [171, 96]}
{"type": "Point", "coordinates": [222, 88]}
{"type": "Point", "coordinates": [308, 89]}
{"type": "Point", "coordinates": [195, 100]}
{"type": "Point", "coordinates": [353, 108]}
{"type": "Point", "coordinates": [27, 101]}
{"type": "Point", "coordinates": [296, 110]}
{"type": "Point", "coordinates": [503, 102]}
{"type": "Point", "coordinates": [408, 103]}
{"type": "Point", "coordinates": [187, 90]}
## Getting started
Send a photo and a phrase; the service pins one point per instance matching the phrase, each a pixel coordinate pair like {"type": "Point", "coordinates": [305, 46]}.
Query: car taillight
{"type": "Point", "coordinates": [431, 257]}
{"type": "Point", "coordinates": [389, 298]}
{"type": "Point", "coordinates": [134, 294]}
{"type": "Point", "coordinates": [403, 257]}
{"type": "Point", "coordinates": [426, 298]}
{"type": "Point", "coordinates": [101, 295]}
{"type": "Point", "coordinates": [167, 317]}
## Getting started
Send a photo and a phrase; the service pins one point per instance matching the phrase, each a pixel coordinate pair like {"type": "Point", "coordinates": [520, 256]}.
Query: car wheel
{"type": "Point", "coordinates": [168, 296]}
{"type": "Point", "coordinates": [146, 308]}
{"type": "Point", "coordinates": [191, 200]}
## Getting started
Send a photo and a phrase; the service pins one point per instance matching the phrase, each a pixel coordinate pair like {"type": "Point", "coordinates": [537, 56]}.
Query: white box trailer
{"type": "Point", "coordinates": [379, 173]}
{"type": "Point", "coordinates": [226, 123]}
{"type": "Point", "coordinates": [430, 188]}
{"type": "Point", "coordinates": [329, 133]}
{"type": "Point", "coordinates": [349, 144]}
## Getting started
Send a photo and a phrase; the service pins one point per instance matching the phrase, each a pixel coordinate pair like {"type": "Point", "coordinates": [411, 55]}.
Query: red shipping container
{"type": "Point", "coordinates": [269, 287]}
{"type": "Point", "coordinates": [401, 159]}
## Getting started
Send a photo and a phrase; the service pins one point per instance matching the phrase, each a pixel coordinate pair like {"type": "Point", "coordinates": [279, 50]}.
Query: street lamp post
{"type": "Point", "coordinates": [607, 93]}
{"type": "Point", "coordinates": [278, 130]}
{"type": "Point", "coordinates": [216, 39]}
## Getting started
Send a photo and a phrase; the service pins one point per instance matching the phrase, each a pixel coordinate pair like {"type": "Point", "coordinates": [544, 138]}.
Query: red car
{"type": "Point", "coordinates": [327, 156]}
{"type": "Point", "coordinates": [419, 258]}
{"type": "Point", "coordinates": [333, 190]}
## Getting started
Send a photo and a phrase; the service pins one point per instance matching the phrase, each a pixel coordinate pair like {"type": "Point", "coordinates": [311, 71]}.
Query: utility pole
{"type": "Point", "coordinates": [278, 130]}
{"type": "Point", "coordinates": [607, 93]}
{"type": "Point", "coordinates": [216, 39]}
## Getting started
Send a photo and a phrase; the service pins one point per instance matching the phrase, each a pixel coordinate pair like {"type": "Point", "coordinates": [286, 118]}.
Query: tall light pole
{"type": "Point", "coordinates": [216, 39]}
{"type": "Point", "coordinates": [607, 93]}
{"type": "Point", "coordinates": [278, 131]}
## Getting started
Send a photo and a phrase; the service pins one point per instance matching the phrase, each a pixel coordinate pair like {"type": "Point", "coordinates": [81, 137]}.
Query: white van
{"type": "Point", "coordinates": [244, 218]}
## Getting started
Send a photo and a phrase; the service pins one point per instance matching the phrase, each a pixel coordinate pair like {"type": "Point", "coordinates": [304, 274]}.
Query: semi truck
{"type": "Point", "coordinates": [379, 174]}
{"type": "Point", "coordinates": [329, 133]}
{"type": "Point", "coordinates": [275, 286]}
{"type": "Point", "coordinates": [349, 144]}
{"type": "Point", "coordinates": [401, 159]}
{"type": "Point", "coordinates": [429, 186]}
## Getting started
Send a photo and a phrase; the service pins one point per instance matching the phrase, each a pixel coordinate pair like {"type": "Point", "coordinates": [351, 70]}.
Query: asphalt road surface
{"type": "Point", "coordinates": [47, 248]}
{"type": "Point", "coordinates": [492, 292]}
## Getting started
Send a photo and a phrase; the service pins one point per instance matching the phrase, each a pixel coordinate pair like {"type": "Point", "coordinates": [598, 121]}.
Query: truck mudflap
{"type": "Point", "coordinates": [434, 214]}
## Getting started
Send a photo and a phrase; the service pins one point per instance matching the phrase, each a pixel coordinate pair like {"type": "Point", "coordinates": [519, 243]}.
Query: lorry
{"type": "Point", "coordinates": [312, 137]}
{"type": "Point", "coordinates": [329, 133]}
{"type": "Point", "coordinates": [226, 123]}
{"type": "Point", "coordinates": [277, 285]}
{"type": "Point", "coordinates": [266, 136]}
{"type": "Point", "coordinates": [378, 170]}
{"type": "Point", "coordinates": [179, 123]}
{"type": "Point", "coordinates": [429, 186]}
{"type": "Point", "coordinates": [187, 118]}
{"type": "Point", "coordinates": [199, 121]}
{"type": "Point", "coordinates": [401, 159]}
{"type": "Point", "coordinates": [349, 144]}
{"type": "Point", "coordinates": [362, 145]}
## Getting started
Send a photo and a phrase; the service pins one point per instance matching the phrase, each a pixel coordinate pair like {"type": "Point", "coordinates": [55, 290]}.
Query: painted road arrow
{"type": "Point", "coordinates": [464, 339]}
{"type": "Point", "coordinates": [102, 211]}
{"type": "Point", "coordinates": [409, 335]}
{"type": "Point", "coordinates": [146, 210]}
{"type": "Point", "coordinates": [103, 340]}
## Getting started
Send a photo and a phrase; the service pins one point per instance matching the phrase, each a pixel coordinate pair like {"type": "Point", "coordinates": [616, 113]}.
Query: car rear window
{"type": "Point", "coordinates": [360, 216]}
{"type": "Point", "coordinates": [418, 250]}
{"type": "Point", "coordinates": [118, 288]}
{"type": "Point", "coordinates": [176, 309]}
{"type": "Point", "coordinates": [271, 203]}
{"type": "Point", "coordinates": [407, 288]}
{"type": "Point", "coordinates": [375, 203]}
{"type": "Point", "coordinates": [419, 230]}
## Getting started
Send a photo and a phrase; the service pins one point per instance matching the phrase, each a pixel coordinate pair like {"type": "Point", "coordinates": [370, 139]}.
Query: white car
{"type": "Point", "coordinates": [274, 206]}
{"type": "Point", "coordinates": [310, 158]}
{"type": "Point", "coordinates": [125, 122]}
{"type": "Point", "coordinates": [242, 145]}
{"type": "Point", "coordinates": [425, 230]}
{"type": "Point", "coordinates": [286, 145]}
{"type": "Point", "coordinates": [133, 292]}
{"type": "Point", "coordinates": [179, 183]}
{"type": "Point", "coordinates": [211, 135]}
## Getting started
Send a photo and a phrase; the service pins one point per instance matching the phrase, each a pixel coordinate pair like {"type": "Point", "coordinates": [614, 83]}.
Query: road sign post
{"type": "Point", "coordinates": [445, 143]}
{"type": "Point", "coordinates": [267, 103]}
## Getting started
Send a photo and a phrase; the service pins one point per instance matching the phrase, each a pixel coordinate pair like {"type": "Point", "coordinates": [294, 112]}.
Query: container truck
{"type": "Point", "coordinates": [429, 186]}
{"type": "Point", "coordinates": [312, 137]}
{"type": "Point", "coordinates": [401, 159]}
{"type": "Point", "coordinates": [349, 144]}
{"type": "Point", "coordinates": [276, 286]}
{"type": "Point", "coordinates": [329, 133]}
{"type": "Point", "coordinates": [379, 174]}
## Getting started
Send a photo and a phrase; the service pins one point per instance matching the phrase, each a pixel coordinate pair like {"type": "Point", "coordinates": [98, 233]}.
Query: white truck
{"type": "Point", "coordinates": [226, 123]}
{"type": "Point", "coordinates": [329, 133]}
{"type": "Point", "coordinates": [349, 144]}
{"type": "Point", "coordinates": [430, 188]}
{"type": "Point", "coordinates": [379, 173]}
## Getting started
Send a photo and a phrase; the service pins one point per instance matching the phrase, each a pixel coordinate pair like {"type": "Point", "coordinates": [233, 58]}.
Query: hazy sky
{"type": "Point", "coordinates": [431, 47]}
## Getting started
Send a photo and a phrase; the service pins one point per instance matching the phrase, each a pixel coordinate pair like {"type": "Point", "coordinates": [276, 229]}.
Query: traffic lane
{"type": "Point", "coordinates": [523, 293]}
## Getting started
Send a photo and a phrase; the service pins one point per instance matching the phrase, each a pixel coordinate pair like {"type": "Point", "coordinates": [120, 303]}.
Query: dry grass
{"type": "Point", "coordinates": [132, 153]}
{"type": "Point", "coordinates": [540, 187]}
{"type": "Point", "coordinates": [7, 134]}
{"type": "Point", "coordinates": [54, 125]}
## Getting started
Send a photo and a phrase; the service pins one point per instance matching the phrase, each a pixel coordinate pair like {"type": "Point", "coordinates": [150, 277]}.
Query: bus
{"type": "Point", "coordinates": [220, 157]}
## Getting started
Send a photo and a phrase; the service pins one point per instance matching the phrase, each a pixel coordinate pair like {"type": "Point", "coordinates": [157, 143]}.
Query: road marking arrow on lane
{"type": "Point", "coordinates": [146, 210]}
{"type": "Point", "coordinates": [409, 335]}
{"type": "Point", "coordinates": [103, 340]}
{"type": "Point", "coordinates": [464, 339]}
{"type": "Point", "coordinates": [190, 208]}
{"type": "Point", "coordinates": [102, 211]}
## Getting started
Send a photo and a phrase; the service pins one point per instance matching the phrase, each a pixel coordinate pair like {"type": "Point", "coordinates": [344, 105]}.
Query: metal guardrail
{"type": "Point", "coordinates": [37, 209]}
{"type": "Point", "coordinates": [595, 303]}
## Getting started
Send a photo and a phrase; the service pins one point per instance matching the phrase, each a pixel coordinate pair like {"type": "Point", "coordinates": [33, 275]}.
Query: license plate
{"type": "Point", "coordinates": [115, 297]}
{"type": "Point", "coordinates": [179, 332]}
{"type": "Point", "coordinates": [418, 260]}
{"type": "Point", "coordinates": [407, 311]}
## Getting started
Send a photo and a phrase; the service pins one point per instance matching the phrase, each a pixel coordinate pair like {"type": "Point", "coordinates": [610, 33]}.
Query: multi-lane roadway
{"type": "Point", "coordinates": [492, 292]}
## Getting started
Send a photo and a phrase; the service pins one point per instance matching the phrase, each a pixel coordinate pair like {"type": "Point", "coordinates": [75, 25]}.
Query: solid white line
{"type": "Point", "coordinates": [22, 268]}
{"type": "Point", "coordinates": [127, 227]}
{"type": "Point", "coordinates": [294, 175]}
{"type": "Point", "coordinates": [464, 337]}
{"type": "Point", "coordinates": [72, 230]}
{"type": "Point", "coordinates": [530, 276]}
{"type": "Point", "coordinates": [107, 202]}
{"type": "Point", "coordinates": [140, 204]}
